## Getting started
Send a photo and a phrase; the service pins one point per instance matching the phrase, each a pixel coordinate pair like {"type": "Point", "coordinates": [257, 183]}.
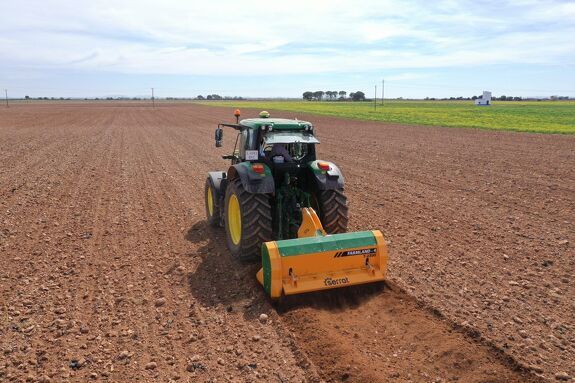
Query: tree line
{"type": "Point", "coordinates": [333, 95]}
{"type": "Point", "coordinates": [501, 98]}
{"type": "Point", "coordinates": [217, 97]}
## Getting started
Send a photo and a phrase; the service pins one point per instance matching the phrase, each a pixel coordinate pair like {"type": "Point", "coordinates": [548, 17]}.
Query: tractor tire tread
{"type": "Point", "coordinates": [214, 219]}
{"type": "Point", "coordinates": [256, 222]}
{"type": "Point", "coordinates": [333, 210]}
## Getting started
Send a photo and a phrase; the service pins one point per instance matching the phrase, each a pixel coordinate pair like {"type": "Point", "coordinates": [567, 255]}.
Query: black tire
{"type": "Point", "coordinates": [333, 210]}
{"type": "Point", "coordinates": [256, 221]}
{"type": "Point", "coordinates": [214, 217]}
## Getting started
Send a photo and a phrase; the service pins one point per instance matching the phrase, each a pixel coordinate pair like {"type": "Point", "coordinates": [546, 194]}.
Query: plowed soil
{"type": "Point", "coordinates": [108, 271]}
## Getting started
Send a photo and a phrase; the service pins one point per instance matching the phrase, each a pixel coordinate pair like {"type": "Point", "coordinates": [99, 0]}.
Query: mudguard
{"type": "Point", "coordinates": [327, 179]}
{"type": "Point", "coordinates": [216, 179]}
{"type": "Point", "coordinates": [251, 181]}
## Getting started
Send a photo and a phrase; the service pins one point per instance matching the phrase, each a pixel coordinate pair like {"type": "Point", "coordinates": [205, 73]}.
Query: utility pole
{"type": "Point", "coordinates": [375, 99]}
{"type": "Point", "coordinates": [382, 90]}
{"type": "Point", "coordinates": [153, 101]}
{"type": "Point", "coordinates": [6, 92]}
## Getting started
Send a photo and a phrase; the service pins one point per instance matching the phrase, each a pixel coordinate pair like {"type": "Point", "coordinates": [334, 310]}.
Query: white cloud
{"type": "Point", "coordinates": [274, 38]}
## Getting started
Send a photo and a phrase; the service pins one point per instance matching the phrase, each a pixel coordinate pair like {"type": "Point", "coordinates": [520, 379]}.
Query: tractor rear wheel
{"type": "Point", "coordinates": [212, 203]}
{"type": "Point", "coordinates": [248, 221]}
{"type": "Point", "coordinates": [333, 210]}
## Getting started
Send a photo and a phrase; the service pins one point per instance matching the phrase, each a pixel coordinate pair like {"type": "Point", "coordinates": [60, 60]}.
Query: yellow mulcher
{"type": "Point", "coordinates": [267, 202]}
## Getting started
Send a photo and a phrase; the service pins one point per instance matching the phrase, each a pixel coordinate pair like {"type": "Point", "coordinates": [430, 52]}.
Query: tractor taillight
{"type": "Point", "coordinates": [323, 166]}
{"type": "Point", "coordinates": [258, 168]}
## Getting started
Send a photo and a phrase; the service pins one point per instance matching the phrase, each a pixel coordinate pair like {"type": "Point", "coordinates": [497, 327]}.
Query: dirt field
{"type": "Point", "coordinates": [108, 271]}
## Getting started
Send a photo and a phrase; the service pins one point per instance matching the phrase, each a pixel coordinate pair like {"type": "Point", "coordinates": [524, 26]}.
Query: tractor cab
{"type": "Point", "coordinates": [286, 147]}
{"type": "Point", "coordinates": [277, 142]}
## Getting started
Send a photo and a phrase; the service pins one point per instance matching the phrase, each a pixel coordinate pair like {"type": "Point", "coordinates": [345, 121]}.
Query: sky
{"type": "Point", "coordinates": [184, 48]}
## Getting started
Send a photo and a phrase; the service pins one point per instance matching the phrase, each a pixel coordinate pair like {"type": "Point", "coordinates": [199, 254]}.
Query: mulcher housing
{"type": "Point", "coordinates": [302, 265]}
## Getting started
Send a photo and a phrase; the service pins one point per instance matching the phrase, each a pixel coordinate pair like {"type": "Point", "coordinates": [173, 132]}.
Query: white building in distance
{"type": "Point", "coordinates": [485, 100]}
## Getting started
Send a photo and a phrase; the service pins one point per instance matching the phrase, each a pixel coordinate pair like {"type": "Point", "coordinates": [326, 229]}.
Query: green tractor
{"type": "Point", "coordinates": [267, 202]}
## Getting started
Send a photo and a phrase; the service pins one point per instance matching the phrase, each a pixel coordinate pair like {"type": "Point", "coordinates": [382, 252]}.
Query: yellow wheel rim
{"type": "Point", "coordinates": [210, 200]}
{"type": "Point", "coordinates": [234, 219]}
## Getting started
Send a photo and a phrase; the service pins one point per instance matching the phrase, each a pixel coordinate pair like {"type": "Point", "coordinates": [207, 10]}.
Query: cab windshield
{"type": "Point", "coordinates": [292, 146]}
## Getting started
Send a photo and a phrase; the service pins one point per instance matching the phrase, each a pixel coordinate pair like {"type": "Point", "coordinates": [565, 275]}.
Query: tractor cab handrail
{"type": "Point", "coordinates": [235, 126]}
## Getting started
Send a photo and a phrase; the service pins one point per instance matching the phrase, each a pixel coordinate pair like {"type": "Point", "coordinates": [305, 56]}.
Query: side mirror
{"type": "Point", "coordinates": [219, 137]}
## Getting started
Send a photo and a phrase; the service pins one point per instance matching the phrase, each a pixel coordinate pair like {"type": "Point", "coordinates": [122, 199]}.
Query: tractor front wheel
{"type": "Point", "coordinates": [248, 221]}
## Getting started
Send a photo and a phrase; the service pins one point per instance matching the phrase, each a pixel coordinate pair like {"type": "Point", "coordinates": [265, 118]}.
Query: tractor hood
{"type": "Point", "coordinates": [290, 137]}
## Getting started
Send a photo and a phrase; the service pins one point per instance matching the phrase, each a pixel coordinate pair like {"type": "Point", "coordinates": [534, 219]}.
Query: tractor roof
{"type": "Point", "coordinates": [276, 123]}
